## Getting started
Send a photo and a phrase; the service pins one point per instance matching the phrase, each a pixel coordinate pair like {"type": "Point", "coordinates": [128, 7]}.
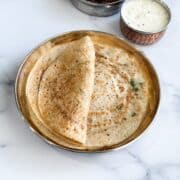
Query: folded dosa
{"type": "Point", "coordinates": [60, 86]}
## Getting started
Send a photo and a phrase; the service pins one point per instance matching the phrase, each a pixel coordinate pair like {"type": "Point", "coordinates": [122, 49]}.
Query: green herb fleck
{"type": "Point", "coordinates": [136, 89]}
{"type": "Point", "coordinates": [132, 83]}
{"type": "Point", "coordinates": [135, 85]}
{"type": "Point", "coordinates": [133, 114]}
{"type": "Point", "coordinates": [141, 84]}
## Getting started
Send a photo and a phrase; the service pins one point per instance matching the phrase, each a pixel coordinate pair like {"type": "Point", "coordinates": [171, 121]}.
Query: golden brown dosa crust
{"type": "Point", "coordinates": [116, 108]}
{"type": "Point", "coordinates": [108, 125]}
{"type": "Point", "coordinates": [43, 60]}
{"type": "Point", "coordinates": [59, 88]}
{"type": "Point", "coordinates": [66, 88]}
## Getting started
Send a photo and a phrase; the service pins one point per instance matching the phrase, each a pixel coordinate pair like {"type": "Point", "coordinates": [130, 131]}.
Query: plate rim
{"type": "Point", "coordinates": [50, 141]}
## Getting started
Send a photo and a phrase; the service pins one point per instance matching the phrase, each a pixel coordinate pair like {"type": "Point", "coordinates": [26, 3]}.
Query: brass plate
{"type": "Point", "coordinates": [62, 142]}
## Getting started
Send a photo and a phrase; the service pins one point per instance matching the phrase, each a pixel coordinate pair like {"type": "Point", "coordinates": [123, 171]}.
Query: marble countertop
{"type": "Point", "coordinates": [23, 155]}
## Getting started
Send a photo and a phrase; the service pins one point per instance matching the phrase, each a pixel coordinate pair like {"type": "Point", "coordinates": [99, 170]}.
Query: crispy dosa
{"type": "Point", "coordinates": [60, 86]}
{"type": "Point", "coordinates": [87, 93]}
{"type": "Point", "coordinates": [120, 98]}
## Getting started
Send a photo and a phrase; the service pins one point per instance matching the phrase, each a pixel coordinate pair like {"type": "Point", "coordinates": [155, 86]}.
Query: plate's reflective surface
{"type": "Point", "coordinates": [62, 142]}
